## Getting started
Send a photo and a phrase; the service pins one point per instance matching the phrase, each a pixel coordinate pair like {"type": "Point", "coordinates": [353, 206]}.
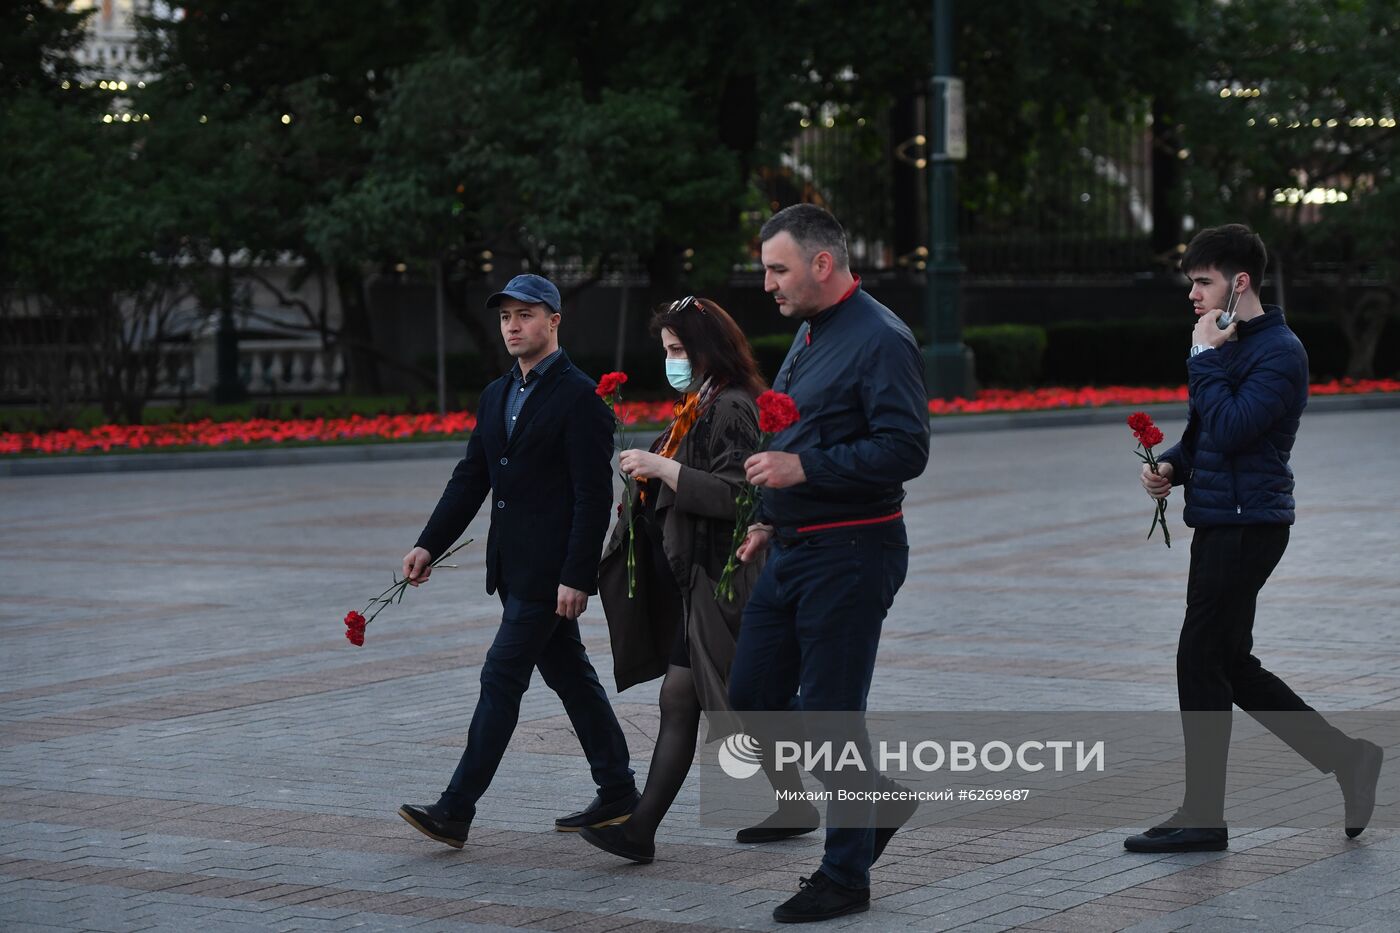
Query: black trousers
{"type": "Point", "coordinates": [1216, 668]}
{"type": "Point", "coordinates": [531, 636]}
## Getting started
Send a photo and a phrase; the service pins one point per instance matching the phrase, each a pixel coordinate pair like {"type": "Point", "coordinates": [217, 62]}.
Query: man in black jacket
{"type": "Point", "coordinates": [832, 489]}
{"type": "Point", "coordinates": [543, 449]}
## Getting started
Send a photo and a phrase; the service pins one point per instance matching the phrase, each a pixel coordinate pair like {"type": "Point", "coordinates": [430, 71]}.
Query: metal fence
{"type": "Point", "coordinates": [1080, 205]}
{"type": "Point", "coordinates": [1076, 204]}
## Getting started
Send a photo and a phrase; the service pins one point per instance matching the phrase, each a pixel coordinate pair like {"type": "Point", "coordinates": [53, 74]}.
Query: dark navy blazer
{"type": "Point", "coordinates": [550, 487]}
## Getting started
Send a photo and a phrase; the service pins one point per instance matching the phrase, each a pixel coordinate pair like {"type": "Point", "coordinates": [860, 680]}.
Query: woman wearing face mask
{"type": "Point", "coordinates": [684, 519]}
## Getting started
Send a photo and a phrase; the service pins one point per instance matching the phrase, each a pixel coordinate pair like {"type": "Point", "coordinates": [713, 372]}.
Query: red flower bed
{"type": "Point", "coordinates": [227, 433]}
{"type": "Point", "coordinates": [1002, 400]}
{"type": "Point", "coordinates": [397, 427]}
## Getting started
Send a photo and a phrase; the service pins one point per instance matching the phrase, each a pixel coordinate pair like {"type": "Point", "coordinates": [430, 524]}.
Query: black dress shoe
{"type": "Point", "coordinates": [613, 839]}
{"type": "Point", "coordinates": [1172, 836]}
{"type": "Point", "coordinates": [786, 823]}
{"type": "Point", "coordinates": [599, 813]}
{"type": "Point", "coordinates": [821, 898]}
{"type": "Point", "coordinates": [435, 822]}
{"type": "Point", "coordinates": [891, 815]}
{"type": "Point", "coordinates": [1358, 780]}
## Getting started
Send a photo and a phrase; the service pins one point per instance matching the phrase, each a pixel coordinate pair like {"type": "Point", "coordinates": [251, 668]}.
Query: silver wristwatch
{"type": "Point", "coordinates": [1200, 348]}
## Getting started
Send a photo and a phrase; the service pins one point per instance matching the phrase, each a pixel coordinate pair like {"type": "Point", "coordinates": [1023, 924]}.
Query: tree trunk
{"type": "Point", "coordinates": [357, 334]}
{"type": "Point", "coordinates": [486, 339]}
{"type": "Point", "coordinates": [1279, 275]}
{"type": "Point", "coordinates": [52, 373]}
{"type": "Point", "coordinates": [1362, 324]}
{"type": "Point", "coordinates": [1166, 175]}
{"type": "Point", "coordinates": [664, 269]}
{"type": "Point", "coordinates": [106, 353]}
{"type": "Point", "coordinates": [134, 402]}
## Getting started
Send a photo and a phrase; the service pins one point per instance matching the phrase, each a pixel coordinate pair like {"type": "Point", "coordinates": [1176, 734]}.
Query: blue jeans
{"type": "Point", "coordinates": [810, 632]}
{"type": "Point", "coordinates": [531, 636]}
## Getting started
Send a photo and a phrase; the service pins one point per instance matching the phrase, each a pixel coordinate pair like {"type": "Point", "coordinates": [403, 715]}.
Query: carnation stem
{"type": "Point", "coordinates": [395, 592]}
{"type": "Point", "coordinates": [1159, 515]}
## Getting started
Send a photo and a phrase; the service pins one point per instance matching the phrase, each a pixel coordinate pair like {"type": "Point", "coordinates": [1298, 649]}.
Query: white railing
{"type": "Point", "coordinates": [287, 366]}
{"type": "Point", "coordinates": [292, 366]}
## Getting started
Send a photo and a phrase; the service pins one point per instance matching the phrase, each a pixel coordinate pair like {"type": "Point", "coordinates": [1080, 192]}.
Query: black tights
{"type": "Point", "coordinates": [674, 754]}
{"type": "Point", "coordinates": [672, 757]}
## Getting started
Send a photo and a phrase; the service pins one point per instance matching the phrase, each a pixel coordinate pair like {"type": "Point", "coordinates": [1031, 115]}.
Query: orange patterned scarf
{"type": "Point", "coordinates": [688, 411]}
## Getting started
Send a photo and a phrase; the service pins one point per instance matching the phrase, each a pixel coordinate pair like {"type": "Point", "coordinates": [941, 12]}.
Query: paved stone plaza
{"type": "Point", "coordinates": [189, 742]}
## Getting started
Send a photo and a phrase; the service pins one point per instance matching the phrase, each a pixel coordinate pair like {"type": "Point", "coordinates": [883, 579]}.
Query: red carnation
{"type": "Point", "coordinates": [1148, 436]}
{"type": "Point", "coordinates": [776, 412]}
{"type": "Point", "coordinates": [609, 384]}
{"type": "Point", "coordinates": [1144, 430]}
{"type": "Point", "coordinates": [355, 628]}
{"type": "Point", "coordinates": [355, 622]}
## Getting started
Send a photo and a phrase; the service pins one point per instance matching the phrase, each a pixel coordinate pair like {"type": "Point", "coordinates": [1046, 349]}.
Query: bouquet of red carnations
{"type": "Point", "coordinates": [1148, 436]}
{"type": "Point", "coordinates": [355, 622]}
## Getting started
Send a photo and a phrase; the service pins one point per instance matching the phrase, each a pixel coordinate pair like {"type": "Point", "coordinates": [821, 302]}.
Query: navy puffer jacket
{"type": "Point", "coordinates": [1246, 401]}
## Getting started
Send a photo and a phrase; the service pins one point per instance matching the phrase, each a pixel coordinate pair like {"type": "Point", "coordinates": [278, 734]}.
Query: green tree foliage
{"type": "Point", "coordinates": [88, 266]}
{"type": "Point", "coordinates": [37, 41]}
{"type": "Point", "coordinates": [272, 99]}
{"type": "Point", "coordinates": [1291, 129]}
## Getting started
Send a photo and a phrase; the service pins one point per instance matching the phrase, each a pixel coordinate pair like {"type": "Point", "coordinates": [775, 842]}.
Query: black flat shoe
{"type": "Point", "coordinates": [785, 824]}
{"type": "Point", "coordinates": [599, 813]}
{"type": "Point", "coordinates": [1358, 782]}
{"type": "Point", "coordinates": [613, 840]}
{"type": "Point", "coordinates": [435, 822]}
{"type": "Point", "coordinates": [1173, 837]}
{"type": "Point", "coordinates": [821, 898]}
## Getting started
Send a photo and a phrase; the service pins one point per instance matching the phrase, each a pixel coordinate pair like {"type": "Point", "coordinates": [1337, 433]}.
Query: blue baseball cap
{"type": "Point", "coordinates": [531, 289]}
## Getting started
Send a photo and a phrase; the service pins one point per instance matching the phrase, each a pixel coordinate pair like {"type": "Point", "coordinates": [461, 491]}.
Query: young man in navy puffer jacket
{"type": "Point", "coordinates": [1248, 385]}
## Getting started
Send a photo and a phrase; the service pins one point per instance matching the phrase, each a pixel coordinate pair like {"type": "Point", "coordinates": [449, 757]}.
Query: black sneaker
{"type": "Point", "coordinates": [599, 813]}
{"type": "Point", "coordinates": [434, 821]}
{"type": "Point", "coordinates": [1358, 780]}
{"type": "Point", "coordinates": [788, 822]}
{"type": "Point", "coordinates": [821, 898]}
{"type": "Point", "coordinates": [613, 840]}
{"type": "Point", "coordinates": [1172, 836]}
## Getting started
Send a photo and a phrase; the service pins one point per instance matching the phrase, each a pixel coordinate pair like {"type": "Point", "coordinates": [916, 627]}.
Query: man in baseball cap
{"type": "Point", "coordinates": [541, 456]}
{"type": "Point", "coordinates": [529, 288]}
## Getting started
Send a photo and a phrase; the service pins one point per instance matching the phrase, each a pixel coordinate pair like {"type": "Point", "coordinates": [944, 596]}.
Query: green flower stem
{"type": "Point", "coordinates": [629, 495]}
{"type": "Point", "coordinates": [396, 590]}
{"type": "Point", "coordinates": [630, 517]}
{"type": "Point", "coordinates": [1159, 514]}
{"type": "Point", "coordinates": [746, 506]}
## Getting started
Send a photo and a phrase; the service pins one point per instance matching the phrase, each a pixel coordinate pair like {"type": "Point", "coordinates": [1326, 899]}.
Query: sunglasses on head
{"type": "Point", "coordinates": [689, 301]}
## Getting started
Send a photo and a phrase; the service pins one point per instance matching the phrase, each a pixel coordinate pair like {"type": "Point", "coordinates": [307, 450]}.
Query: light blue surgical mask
{"type": "Point", "coordinates": [678, 374]}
